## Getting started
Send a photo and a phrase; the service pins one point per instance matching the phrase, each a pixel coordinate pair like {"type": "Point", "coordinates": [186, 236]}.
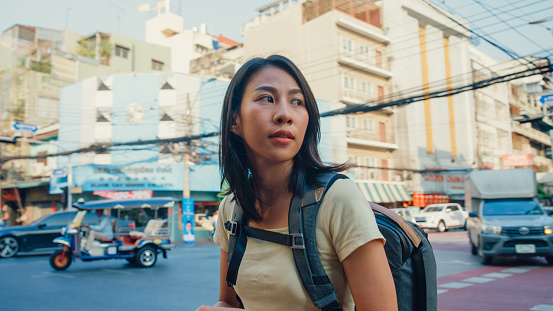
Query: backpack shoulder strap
{"type": "Point", "coordinates": [236, 244]}
{"type": "Point", "coordinates": [302, 221]}
{"type": "Point", "coordinates": [410, 231]}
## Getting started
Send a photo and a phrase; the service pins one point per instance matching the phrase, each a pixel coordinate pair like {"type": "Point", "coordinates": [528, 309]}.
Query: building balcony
{"type": "Point", "coordinates": [367, 64]}
{"type": "Point", "coordinates": [357, 97]}
{"type": "Point", "coordinates": [370, 139]}
{"type": "Point", "coordinates": [531, 133]}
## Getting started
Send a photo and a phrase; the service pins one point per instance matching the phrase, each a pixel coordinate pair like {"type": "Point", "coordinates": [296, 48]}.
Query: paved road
{"type": "Point", "coordinates": [509, 284]}
{"type": "Point", "coordinates": [189, 277]}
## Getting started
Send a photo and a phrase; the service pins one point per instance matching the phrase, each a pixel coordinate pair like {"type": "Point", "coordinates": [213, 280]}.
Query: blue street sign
{"type": "Point", "coordinates": [547, 99]}
{"type": "Point", "coordinates": [25, 127]}
{"type": "Point", "coordinates": [60, 172]}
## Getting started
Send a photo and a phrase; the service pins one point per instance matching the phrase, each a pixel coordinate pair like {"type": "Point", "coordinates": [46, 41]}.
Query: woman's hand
{"type": "Point", "coordinates": [220, 306]}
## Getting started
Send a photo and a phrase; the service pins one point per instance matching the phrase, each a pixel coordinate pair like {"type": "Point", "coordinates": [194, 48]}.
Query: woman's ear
{"type": "Point", "coordinates": [235, 127]}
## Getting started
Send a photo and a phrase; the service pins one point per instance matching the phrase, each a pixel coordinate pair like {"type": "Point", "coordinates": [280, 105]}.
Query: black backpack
{"type": "Point", "coordinates": [409, 252]}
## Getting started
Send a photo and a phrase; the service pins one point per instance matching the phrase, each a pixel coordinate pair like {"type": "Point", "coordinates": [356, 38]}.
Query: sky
{"type": "Point", "coordinates": [505, 22]}
{"type": "Point", "coordinates": [224, 17]}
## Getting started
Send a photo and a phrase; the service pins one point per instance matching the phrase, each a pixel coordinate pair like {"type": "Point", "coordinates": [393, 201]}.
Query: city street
{"type": "Point", "coordinates": [189, 277]}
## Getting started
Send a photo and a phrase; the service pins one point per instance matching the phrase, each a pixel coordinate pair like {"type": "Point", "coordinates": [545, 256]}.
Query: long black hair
{"type": "Point", "coordinates": [233, 159]}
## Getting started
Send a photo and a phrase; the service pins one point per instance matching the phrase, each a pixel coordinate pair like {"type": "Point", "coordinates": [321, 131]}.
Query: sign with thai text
{"type": "Point", "coordinates": [519, 159]}
{"type": "Point", "coordinates": [142, 176]}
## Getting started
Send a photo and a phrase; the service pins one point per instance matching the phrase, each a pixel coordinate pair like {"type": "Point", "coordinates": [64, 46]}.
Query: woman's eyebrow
{"type": "Point", "coordinates": [274, 90]}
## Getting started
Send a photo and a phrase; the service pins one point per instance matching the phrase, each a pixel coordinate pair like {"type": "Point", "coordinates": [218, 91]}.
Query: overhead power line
{"type": "Point", "coordinates": [352, 109]}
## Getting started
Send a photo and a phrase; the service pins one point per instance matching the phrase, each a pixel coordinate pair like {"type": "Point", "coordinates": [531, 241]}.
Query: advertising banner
{"type": "Point", "coordinates": [124, 195]}
{"type": "Point", "coordinates": [141, 176]}
{"type": "Point", "coordinates": [188, 220]}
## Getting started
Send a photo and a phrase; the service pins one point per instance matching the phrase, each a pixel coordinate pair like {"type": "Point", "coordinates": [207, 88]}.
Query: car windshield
{"type": "Point", "coordinates": [511, 207]}
{"type": "Point", "coordinates": [432, 209]}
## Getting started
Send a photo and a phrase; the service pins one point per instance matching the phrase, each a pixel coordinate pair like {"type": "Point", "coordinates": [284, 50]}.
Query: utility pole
{"type": "Point", "coordinates": [186, 191]}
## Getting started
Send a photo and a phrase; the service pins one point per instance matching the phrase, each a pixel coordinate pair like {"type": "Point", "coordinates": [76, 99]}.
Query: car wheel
{"type": "Point", "coordinates": [9, 246]}
{"type": "Point", "coordinates": [61, 260]}
{"type": "Point", "coordinates": [549, 260]}
{"type": "Point", "coordinates": [484, 259]}
{"type": "Point", "coordinates": [441, 226]}
{"type": "Point", "coordinates": [146, 257]}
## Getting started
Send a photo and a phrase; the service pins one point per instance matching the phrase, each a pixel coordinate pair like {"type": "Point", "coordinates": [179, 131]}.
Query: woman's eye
{"type": "Point", "coordinates": [297, 102]}
{"type": "Point", "coordinates": [268, 99]}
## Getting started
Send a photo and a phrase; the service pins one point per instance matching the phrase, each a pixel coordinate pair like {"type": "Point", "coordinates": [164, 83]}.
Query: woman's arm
{"type": "Point", "coordinates": [370, 279]}
{"type": "Point", "coordinates": [227, 295]}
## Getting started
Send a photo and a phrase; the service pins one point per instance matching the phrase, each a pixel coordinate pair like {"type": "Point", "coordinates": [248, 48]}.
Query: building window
{"type": "Point", "coordinates": [157, 65]}
{"type": "Point", "coordinates": [42, 160]}
{"type": "Point", "coordinates": [121, 51]}
{"type": "Point", "coordinates": [368, 125]}
{"type": "Point", "coordinates": [364, 52]}
{"type": "Point", "coordinates": [351, 122]}
{"type": "Point", "coordinates": [366, 87]}
{"type": "Point", "coordinates": [103, 114]}
{"type": "Point", "coordinates": [349, 82]}
{"type": "Point", "coordinates": [347, 45]}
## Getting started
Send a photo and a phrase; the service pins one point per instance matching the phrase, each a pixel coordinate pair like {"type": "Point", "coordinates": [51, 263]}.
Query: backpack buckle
{"type": "Point", "coordinates": [297, 241]}
{"type": "Point", "coordinates": [334, 306]}
{"type": "Point", "coordinates": [232, 227]}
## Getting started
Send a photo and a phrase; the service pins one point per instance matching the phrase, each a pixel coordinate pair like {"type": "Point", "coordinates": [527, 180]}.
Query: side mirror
{"type": "Point", "coordinates": [42, 225]}
{"type": "Point", "coordinates": [448, 210]}
{"type": "Point", "coordinates": [473, 214]}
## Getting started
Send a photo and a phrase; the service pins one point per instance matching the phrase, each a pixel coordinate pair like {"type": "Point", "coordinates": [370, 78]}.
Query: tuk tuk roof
{"type": "Point", "coordinates": [133, 203]}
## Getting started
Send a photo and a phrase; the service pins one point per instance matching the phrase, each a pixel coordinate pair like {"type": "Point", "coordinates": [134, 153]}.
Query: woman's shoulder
{"type": "Point", "coordinates": [344, 189]}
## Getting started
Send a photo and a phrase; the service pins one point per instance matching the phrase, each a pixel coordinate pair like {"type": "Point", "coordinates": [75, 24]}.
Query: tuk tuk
{"type": "Point", "coordinates": [140, 233]}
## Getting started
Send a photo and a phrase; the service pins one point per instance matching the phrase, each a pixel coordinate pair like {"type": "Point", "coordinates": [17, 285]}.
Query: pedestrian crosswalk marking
{"type": "Point", "coordinates": [441, 291]}
{"type": "Point", "coordinates": [478, 280]}
{"type": "Point", "coordinates": [542, 308]}
{"type": "Point", "coordinates": [455, 285]}
{"type": "Point", "coordinates": [497, 275]}
{"type": "Point", "coordinates": [515, 270]}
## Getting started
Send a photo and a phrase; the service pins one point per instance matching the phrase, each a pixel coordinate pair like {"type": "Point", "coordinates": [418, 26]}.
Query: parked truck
{"type": "Point", "coordinates": [505, 218]}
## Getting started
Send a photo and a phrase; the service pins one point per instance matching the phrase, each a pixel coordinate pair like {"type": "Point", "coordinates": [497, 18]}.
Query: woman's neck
{"type": "Point", "coordinates": [272, 185]}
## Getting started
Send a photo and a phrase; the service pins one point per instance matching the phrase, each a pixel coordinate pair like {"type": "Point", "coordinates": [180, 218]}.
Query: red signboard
{"type": "Point", "coordinates": [124, 195]}
{"type": "Point", "coordinates": [423, 199]}
{"type": "Point", "coordinates": [519, 159]}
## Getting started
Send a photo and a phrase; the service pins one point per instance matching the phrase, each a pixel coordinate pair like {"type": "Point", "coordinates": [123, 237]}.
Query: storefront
{"type": "Point", "coordinates": [387, 194]}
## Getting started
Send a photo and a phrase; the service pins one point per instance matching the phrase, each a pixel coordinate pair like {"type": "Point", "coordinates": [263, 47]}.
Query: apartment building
{"type": "Point", "coordinates": [428, 52]}
{"type": "Point", "coordinates": [491, 106]}
{"type": "Point", "coordinates": [342, 50]}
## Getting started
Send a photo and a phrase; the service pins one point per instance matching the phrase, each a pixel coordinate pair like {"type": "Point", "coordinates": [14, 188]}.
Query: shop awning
{"type": "Point", "coordinates": [384, 192]}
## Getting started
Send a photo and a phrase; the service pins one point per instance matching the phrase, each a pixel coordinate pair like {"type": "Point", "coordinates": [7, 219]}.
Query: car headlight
{"type": "Point", "coordinates": [548, 229]}
{"type": "Point", "coordinates": [491, 229]}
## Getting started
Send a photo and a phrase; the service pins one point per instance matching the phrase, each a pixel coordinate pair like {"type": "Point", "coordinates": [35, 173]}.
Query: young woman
{"type": "Point", "coordinates": [270, 130]}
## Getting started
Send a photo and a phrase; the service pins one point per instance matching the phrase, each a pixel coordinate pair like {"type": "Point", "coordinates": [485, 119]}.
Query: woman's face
{"type": "Point", "coordinates": [273, 117]}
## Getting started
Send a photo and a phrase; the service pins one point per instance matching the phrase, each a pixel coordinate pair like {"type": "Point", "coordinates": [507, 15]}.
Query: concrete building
{"type": "Point", "coordinates": [491, 106]}
{"type": "Point", "coordinates": [342, 50]}
{"type": "Point", "coordinates": [166, 29]}
{"type": "Point", "coordinates": [429, 52]}
{"type": "Point", "coordinates": [35, 63]}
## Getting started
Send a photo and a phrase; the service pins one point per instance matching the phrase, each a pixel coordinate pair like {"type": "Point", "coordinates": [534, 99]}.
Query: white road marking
{"type": "Point", "coordinates": [441, 291]}
{"type": "Point", "coordinates": [116, 271]}
{"type": "Point", "coordinates": [478, 280]}
{"type": "Point", "coordinates": [455, 285]}
{"type": "Point", "coordinates": [542, 308]}
{"type": "Point", "coordinates": [497, 275]}
{"type": "Point", "coordinates": [515, 270]}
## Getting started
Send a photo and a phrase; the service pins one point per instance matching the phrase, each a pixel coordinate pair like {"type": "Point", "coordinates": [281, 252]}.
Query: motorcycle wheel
{"type": "Point", "coordinates": [61, 260]}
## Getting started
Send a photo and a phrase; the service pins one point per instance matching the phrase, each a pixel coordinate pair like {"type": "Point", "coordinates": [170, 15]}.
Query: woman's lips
{"type": "Point", "coordinates": [282, 136]}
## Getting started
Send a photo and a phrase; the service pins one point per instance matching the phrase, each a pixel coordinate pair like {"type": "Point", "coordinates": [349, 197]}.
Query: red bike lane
{"type": "Point", "coordinates": [528, 285]}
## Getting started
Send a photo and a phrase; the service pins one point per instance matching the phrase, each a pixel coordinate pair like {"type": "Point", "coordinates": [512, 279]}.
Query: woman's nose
{"type": "Point", "coordinates": [283, 113]}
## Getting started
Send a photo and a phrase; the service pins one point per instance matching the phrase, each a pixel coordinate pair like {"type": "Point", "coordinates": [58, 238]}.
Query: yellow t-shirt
{"type": "Point", "coordinates": [267, 277]}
